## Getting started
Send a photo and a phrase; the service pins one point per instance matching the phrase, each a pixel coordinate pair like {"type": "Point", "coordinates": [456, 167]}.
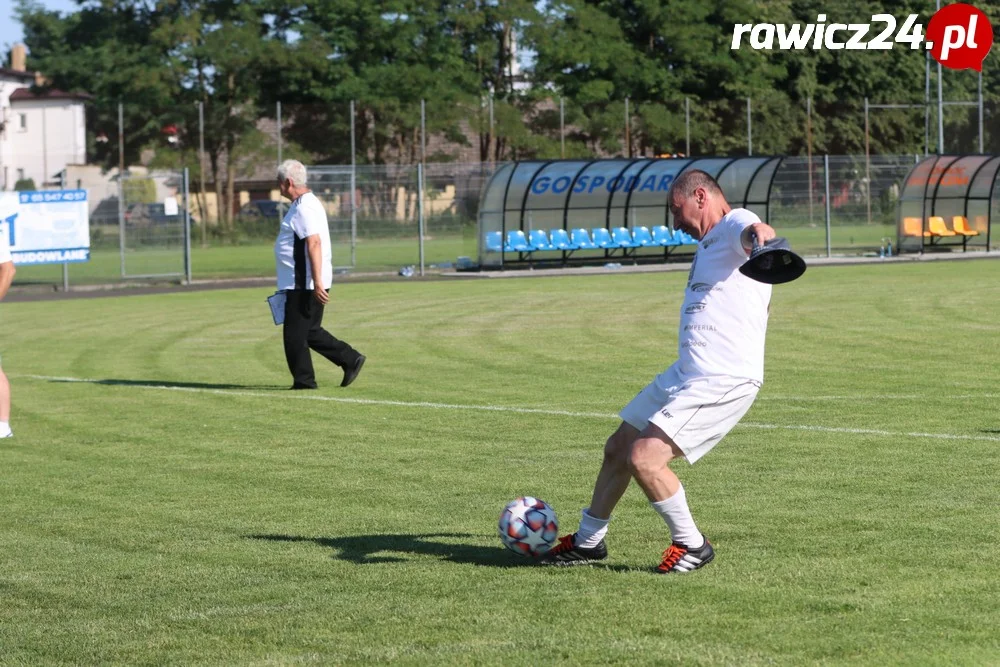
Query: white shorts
{"type": "Point", "coordinates": [695, 414]}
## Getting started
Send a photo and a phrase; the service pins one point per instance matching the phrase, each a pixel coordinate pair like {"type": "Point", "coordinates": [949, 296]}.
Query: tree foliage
{"type": "Point", "coordinates": [658, 58]}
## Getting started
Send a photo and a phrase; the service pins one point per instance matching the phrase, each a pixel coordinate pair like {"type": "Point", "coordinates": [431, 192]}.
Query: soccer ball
{"type": "Point", "coordinates": [528, 526]}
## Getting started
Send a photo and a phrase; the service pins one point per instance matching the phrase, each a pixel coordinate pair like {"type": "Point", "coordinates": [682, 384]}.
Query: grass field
{"type": "Point", "coordinates": [166, 501]}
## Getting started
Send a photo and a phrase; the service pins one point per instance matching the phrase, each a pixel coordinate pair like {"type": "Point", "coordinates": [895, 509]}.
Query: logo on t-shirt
{"type": "Point", "coordinates": [695, 308]}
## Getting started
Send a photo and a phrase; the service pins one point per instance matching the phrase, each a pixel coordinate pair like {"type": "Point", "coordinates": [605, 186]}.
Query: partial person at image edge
{"type": "Point", "coordinates": [303, 256]}
{"type": "Point", "coordinates": [6, 277]}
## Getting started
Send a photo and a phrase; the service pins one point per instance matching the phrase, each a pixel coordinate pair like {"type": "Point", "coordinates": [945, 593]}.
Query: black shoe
{"type": "Point", "coordinates": [565, 553]}
{"type": "Point", "coordinates": [679, 559]}
{"type": "Point", "coordinates": [297, 386]}
{"type": "Point", "coordinates": [351, 372]}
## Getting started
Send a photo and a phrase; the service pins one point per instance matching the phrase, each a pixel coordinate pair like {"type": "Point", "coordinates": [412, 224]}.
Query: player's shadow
{"type": "Point", "coordinates": [175, 385]}
{"type": "Point", "coordinates": [367, 549]}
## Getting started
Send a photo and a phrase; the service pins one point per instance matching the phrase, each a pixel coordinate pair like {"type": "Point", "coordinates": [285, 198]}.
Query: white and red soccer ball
{"type": "Point", "coordinates": [528, 526]}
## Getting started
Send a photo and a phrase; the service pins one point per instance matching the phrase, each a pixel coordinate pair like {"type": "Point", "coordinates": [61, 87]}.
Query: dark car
{"type": "Point", "coordinates": [263, 209]}
{"type": "Point", "coordinates": [151, 214]}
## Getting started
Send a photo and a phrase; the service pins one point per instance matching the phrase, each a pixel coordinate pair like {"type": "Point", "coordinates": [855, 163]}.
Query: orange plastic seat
{"type": "Point", "coordinates": [961, 226]}
{"type": "Point", "coordinates": [937, 227]}
{"type": "Point", "coordinates": [912, 227]}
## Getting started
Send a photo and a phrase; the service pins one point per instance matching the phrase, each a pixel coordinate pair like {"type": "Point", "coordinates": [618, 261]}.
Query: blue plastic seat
{"type": "Point", "coordinates": [602, 238]}
{"type": "Point", "coordinates": [539, 240]}
{"type": "Point", "coordinates": [561, 241]}
{"type": "Point", "coordinates": [582, 240]}
{"type": "Point", "coordinates": [642, 237]}
{"type": "Point", "coordinates": [623, 238]}
{"type": "Point", "coordinates": [686, 239]}
{"type": "Point", "coordinates": [664, 237]}
{"type": "Point", "coordinates": [516, 242]}
{"type": "Point", "coordinates": [494, 241]}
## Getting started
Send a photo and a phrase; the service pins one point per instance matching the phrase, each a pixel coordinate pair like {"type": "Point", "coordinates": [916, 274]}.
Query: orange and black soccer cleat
{"type": "Point", "coordinates": [565, 553]}
{"type": "Point", "coordinates": [680, 559]}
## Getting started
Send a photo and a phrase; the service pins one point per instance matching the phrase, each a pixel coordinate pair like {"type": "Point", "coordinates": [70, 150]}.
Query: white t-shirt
{"type": "Point", "coordinates": [724, 315]}
{"type": "Point", "coordinates": [305, 218]}
{"type": "Point", "coordinates": [4, 244]}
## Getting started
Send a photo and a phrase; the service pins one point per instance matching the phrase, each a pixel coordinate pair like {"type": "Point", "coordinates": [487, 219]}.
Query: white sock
{"type": "Point", "coordinates": [675, 512]}
{"type": "Point", "coordinates": [592, 530]}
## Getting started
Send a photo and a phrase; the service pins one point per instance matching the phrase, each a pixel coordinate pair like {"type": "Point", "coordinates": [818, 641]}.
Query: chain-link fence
{"type": "Point", "coordinates": [152, 225]}
{"type": "Point", "coordinates": [554, 128]}
{"type": "Point", "coordinates": [137, 231]}
{"type": "Point", "coordinates": [862, 202]}
{"type": "Point", "coordinates": [376, 215]}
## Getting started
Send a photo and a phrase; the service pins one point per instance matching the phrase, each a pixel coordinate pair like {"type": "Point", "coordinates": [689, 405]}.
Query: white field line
{"type": "Point", "coordinates": [879, 397]}
{"type": "Point", "coordinates": [503, 408]}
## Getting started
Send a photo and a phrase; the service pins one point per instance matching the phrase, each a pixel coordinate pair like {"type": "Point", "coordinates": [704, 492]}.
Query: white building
{"type": "Point", "coordinates": [42, 131]}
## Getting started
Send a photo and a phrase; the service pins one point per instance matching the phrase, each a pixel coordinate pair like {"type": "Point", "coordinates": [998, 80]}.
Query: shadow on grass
{"type": "Point", "coordinates": [365, 549]}
{"type": "Point", "coordinates": [174, 385]}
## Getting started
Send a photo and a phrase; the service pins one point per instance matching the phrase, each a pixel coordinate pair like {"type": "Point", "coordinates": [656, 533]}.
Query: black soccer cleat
{"type": "Point", "coordinates": [565, 553]}
{"type": "Point", "coordinates": [679, 559]}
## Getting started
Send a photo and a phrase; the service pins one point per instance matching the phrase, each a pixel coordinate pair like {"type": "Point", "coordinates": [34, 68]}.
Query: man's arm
{"type": "Point", "coordinates": [315, 249]}
{"type": "Point", "coordinates": [763, 231]}
{"type": "Point", "coordinates": [7, 272]}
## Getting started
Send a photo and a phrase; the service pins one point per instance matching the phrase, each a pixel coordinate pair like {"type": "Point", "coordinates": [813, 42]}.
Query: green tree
{"type": "Point", "coordinates": [215, 54]}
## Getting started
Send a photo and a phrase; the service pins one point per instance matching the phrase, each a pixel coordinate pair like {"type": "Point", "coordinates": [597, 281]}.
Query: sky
{"type": "Point", "coordinates": [10, 30]}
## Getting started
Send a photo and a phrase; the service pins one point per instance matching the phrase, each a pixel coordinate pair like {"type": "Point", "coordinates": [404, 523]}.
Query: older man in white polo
{"type": "Point", "coordinates": [305, 271]}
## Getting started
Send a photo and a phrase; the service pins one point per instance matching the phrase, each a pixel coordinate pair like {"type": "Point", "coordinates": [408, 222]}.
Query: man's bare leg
{"type": "Point", "coordinates": [587, 543]}
{"type": "Point", "coordinates": [615, 475]}
{"type": "Point", "coordinates": [649, 462]}
{"type": "Point", "coordinates": [4, 405]}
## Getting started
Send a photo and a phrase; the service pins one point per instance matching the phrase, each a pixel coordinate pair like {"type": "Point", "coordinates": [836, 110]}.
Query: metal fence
{"type": "Point", "coordinates": [382, 220]}
{"type": "Point", "coordinates": [862, 196]}
{"type": "Point", "coordinates": [154, 225]}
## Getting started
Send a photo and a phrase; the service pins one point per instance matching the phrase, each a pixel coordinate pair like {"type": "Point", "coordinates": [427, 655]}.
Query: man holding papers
{"type": "Point", "coordinates": [305, 270]}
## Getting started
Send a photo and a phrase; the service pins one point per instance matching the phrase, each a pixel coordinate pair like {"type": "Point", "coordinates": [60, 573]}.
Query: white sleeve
{"type": "Point", "coordinates": [309, 219]}
{"type": "Point", "coordinates": [740, 219]}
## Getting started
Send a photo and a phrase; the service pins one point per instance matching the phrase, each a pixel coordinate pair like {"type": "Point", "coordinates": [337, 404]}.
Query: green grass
{"type": "Point", "coordinates": [187, 509]}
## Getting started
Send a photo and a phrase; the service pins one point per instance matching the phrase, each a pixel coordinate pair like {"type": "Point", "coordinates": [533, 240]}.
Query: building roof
{"type": "Point", "coordinates": [16, 74]}
{"type": "Point", "coordinates": [25, 94]}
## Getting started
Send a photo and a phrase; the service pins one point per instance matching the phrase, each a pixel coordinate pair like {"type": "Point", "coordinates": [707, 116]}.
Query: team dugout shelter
{"type": "Point", "coordinates": [946, 203]}
{"type": "Point", "coordinates": [597, 211]}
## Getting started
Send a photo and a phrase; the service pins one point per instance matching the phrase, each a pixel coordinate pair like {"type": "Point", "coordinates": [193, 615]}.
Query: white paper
{"type": "Point", "coordinates": [277, 303]}
{"type": "Point", "coordinates": [170, 206]}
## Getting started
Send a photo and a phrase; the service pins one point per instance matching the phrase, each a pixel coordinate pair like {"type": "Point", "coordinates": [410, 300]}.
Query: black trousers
{"type": "Point", "coordinates": [303, 331]}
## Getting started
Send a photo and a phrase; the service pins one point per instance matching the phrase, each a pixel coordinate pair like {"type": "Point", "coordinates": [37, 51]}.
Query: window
{"type": "Point", "coordinates": [23, 117]}
{"type": "Point", "coordinates": [20, 174]}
